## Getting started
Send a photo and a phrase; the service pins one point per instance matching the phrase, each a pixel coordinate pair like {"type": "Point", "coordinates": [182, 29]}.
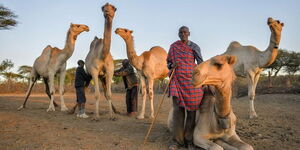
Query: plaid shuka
{"type": "Point", "coordinates": [181, 86]}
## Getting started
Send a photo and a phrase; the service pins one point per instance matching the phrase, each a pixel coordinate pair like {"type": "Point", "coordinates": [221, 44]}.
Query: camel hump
{"type": "Point", "coordinates": [95, 41]}
{"type": "Point", "coordinates": [158, 49]}
{"type": "Point", "coordinates": [235, 44]}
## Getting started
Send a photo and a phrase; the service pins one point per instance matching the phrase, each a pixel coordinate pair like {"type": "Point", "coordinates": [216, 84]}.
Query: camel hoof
{"type": "Point", "coordinates": [50, 109]}
{"type": "Point", "coordinates": [20, 108]}
{"type": "Point", "coordinates": [152, 117]}
{"type": "Point", "coordinates": [95, 119]}
{"type": "Point", "coordinates": [113, 118]}
{"type": "Point", "coordinates": [64, 109]}
{"type": "Point", "coordinates": [253, 115]}
{"type": "Point", "coordinates": [140, 117]}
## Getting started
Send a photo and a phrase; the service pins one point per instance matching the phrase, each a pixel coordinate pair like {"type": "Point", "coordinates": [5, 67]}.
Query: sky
{"type": "Point", "coordinates": [213, 25]}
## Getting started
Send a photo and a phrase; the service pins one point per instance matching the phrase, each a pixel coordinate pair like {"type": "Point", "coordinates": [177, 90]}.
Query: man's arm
{"type": "Point", "coordinates": [197, 52]}
{"type": "Point", "coordinates": [170, 58]}
{"type": "Point", "coordinates": [123, 71]}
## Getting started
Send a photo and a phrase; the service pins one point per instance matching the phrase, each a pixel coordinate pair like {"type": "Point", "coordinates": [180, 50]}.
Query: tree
{"type": "Point", "coordinates": [277, 65]}
{"type": "Point", "coordinates": [25, 71]}
{"type": "Point", "coordinates": [70, 76]}
{"type": "Point", "coordinates": [292, 66]}
{"type": "Point", "coordinates": [7, 18]}
{"type": "Point", "coordinates": [6, 65]}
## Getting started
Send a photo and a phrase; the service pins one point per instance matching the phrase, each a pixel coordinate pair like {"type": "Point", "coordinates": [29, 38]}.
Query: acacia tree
{"type": "Point", "coordinates": [24, 71]}
{"type": "Point", "coordinates": [277, 65]}
{"type": "Point", "coordinates": [70, 76]}
{"type": "Point", "coordinates": [292, 66]}
{"type": "Point", "coordinates": [7, 18]}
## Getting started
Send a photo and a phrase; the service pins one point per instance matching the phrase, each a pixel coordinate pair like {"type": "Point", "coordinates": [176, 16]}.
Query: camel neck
{"type": "Point", "coordinates": [131, 54]}
{"type": "Point", "coordinates": [271, 52]}
{"type": "Point", "coordinates": [69, 46]}
{"type": "Point", "coordinates": [107, 37]}
{"type": "Point", "coordinates": [224, 104]}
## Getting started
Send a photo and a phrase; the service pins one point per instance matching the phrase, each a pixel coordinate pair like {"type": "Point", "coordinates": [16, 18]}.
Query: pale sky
{"type": "Point", "coordinates": [213, 25]}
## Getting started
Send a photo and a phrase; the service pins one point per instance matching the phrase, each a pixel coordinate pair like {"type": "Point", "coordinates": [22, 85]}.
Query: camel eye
{"type": "Point", "coordinates": [78, 26]}
{"type": "Point", "coordinates": [218, 65]}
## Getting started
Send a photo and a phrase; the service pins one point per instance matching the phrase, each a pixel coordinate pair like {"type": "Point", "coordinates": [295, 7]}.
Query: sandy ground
{"type": "Point", "coordinates": [277, 127]}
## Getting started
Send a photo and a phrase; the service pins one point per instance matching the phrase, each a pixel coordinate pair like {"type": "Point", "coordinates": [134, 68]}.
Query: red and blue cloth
{"type": "Point", "coordinates": [181, 85]}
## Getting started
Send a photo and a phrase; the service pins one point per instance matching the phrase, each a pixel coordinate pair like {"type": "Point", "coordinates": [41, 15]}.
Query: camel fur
{"type": "Point", "coordinates": [215, 120]}
{"type": "Point", "coordinates": [251, 61]}
{"type": "Point", "coordinates": [150, 65]}
{"type": "Point", "coordinates": [51, 62]}
{"type": "Point", "coordinates": [99, 62]}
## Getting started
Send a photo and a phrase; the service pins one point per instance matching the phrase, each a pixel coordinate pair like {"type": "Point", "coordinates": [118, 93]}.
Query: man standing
{"type": "Point", "coordinates": [131, 86]}
{"type": "Point", "coordinates": [186, 98]}
{"type": "Point", "coordinates": [82, 80]}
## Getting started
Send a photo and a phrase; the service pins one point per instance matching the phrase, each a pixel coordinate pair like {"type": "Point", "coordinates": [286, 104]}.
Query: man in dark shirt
{"type": "Point", "coordinates": [131, 86]}
{"type": "Point", "coordinates": [82, 80]}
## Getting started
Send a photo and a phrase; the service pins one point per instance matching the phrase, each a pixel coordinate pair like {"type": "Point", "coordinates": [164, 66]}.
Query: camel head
{"type": "Point", "coordinates": [275, 27]}
{"type": "Point", "coordinates": [217, 71]}
{"type": "Point", "coordinates": [124, 33]}
{"type": "Point", "coordinates": [109, 11]}
{"type": "Point", "coordinates": [76, 29]}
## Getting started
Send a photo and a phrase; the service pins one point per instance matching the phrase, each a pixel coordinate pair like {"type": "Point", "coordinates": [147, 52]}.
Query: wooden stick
{"type": "Point", "coordinates": [159, 106]}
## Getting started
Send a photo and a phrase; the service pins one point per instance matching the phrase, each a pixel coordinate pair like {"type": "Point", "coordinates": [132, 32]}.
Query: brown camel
{"type": "Point", "coordinates": [216, 122]}
{"type": "Point", "coordinates": [150, 65]}
{"type": "Point", "coordinates": [99, 62]}
{"type": "Point", "coordinates": [250, 60]}
{"type": "Point", "coordinates": [52, 61]}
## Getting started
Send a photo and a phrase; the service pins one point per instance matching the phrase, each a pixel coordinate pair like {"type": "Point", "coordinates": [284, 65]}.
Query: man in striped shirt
{"type": "Point", "coordinates": [186, 98]}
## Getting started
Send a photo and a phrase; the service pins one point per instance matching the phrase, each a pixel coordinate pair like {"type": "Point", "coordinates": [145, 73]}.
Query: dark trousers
{"type": "Point", "coordinates": [80, 95]}
{"type": "Point", "coordinates": [131, 99]}
{"type": "Point", "coordinates": [183, 134]}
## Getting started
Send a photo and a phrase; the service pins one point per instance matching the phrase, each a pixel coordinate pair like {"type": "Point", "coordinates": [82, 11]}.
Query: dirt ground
{"type": "Point", "coordinates": [277, 127]}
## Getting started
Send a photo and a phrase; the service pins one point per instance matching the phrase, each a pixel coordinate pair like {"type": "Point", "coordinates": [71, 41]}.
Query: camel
{"type": "Point", "coordinates": [251, 61]}
{"type": "Point", "coordinates": [150, 65]}
{"type": "Point", "coordinates": [51, 62]}
{"type": "Point", "coordinates": [215, 121]}
{"type": "Point", "coordinates": [99, 62]}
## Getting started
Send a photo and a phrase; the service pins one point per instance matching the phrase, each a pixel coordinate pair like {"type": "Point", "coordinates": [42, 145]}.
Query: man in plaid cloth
{"type": "Point", "coordinates": [186, 98]}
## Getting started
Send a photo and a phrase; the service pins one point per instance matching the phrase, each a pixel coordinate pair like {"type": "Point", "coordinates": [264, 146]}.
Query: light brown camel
{"type": "Point", "coordinates": [215, 121]}
{"type": "Point", "coordinates": [150, 65]}
{"type": "Point", "coordinates": [52, 61]}
{"type": "Point", "coordinates": [99, 62]}
{"type": "Point", "coordinates": [250, 60]}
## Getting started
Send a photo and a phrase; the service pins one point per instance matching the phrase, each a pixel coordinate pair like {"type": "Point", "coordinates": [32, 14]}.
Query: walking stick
{"type": "Point", "coordinates": [161, 101]}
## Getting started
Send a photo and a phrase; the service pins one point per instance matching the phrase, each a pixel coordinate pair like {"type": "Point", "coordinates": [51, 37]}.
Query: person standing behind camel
{"type": "Point", "coordinates": [181, 57]}
{"type": "Point", "coordinates": [131, 86]}
{"type": "Point", "coordinates": [82, 80]}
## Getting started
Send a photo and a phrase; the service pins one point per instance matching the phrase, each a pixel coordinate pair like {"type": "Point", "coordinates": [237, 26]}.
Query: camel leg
{"type": "Point", "coordinates": [32, 81]}
{"type": "Point", "coordinates": [236, 142]}
{"type": "Point", "coordinates": [143, 85]}
{"type": "Point", "coordinates": [251, 95]}
{"type": "Point", "coordinates": [61, 89]}
{"type": "Point", "coordinates": [107, 93]}
{"type": "Point", "coordinates": [52, 92]}
{"type": "Point", "coordinates": [151, 95]}
{"type": "Point", "coordinates": [97, 94]}
{"type": "Point", "coordinates": [199, 141]}
{"type": "Point", "coordinates": [48, 90]}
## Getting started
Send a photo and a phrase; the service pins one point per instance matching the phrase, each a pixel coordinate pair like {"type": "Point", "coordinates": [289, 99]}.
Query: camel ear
{"type": "Point", "coordinates": [231, 59]}
{"type": "Point", "coordinates": [71, 24]}
{"type": "Point", "coordinates": [282, 24]}
{"type": "Point", "coordinates": [130, 31]}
